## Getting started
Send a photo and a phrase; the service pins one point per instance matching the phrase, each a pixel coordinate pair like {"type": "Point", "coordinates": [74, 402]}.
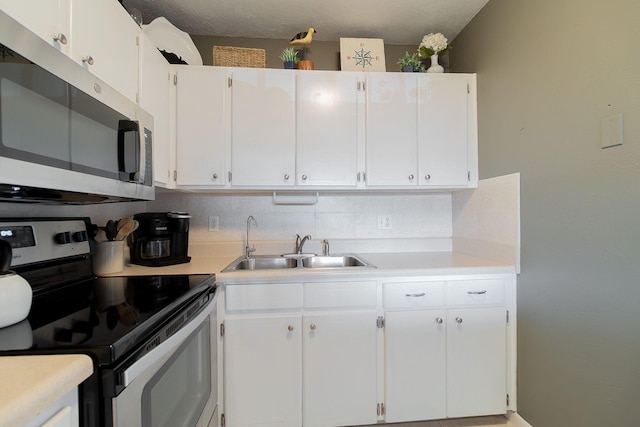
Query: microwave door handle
{"type": "Point", "coordinates": [128, 151]}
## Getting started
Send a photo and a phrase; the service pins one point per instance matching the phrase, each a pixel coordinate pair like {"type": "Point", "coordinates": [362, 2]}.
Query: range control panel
{"type": "Point", "coordinates": [37, 240]}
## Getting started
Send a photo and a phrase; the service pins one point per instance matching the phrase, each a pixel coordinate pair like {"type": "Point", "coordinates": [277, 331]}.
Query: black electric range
{"type": "Point", "coordinates": [114, 320]}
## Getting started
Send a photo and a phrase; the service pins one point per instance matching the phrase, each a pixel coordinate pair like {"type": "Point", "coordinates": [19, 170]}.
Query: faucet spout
{"type": "Point", "coordinates": [300, 242]}
{"type": "Point", "coordinates": [248, 249]}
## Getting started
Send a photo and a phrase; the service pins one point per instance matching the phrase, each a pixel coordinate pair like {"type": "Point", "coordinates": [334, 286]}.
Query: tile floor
{"type": "Point", "coordinates": [491, 421]}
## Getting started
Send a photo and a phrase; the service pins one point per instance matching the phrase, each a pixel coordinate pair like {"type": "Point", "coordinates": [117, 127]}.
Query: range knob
{"type": "Point", "coordinates": [79, 236]}
{"type": "Point", "coordinates": [63, 238]}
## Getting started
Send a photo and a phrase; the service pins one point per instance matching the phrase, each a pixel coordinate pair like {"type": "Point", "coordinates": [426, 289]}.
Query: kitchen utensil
{"type": "Point", "coordinates": [110, 230]}
{"type": "Point", "coordinates": [15, 292]}
{"type": "Point", "coordinates": [126, 226]}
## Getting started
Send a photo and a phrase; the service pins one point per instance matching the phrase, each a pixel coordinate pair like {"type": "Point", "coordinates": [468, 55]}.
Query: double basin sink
{"type": "Point", "coordinates": [287, 261]}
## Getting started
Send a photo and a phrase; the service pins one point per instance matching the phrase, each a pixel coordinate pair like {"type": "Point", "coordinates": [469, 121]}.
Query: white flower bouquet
{"type": "Point", "coordinates": [433, 43]}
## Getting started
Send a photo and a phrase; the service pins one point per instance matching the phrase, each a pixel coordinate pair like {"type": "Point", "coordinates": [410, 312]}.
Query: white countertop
{"type": "Point", "coordinates": [30, 384]}
{"type": "Point", "coordinates": [386, 264]}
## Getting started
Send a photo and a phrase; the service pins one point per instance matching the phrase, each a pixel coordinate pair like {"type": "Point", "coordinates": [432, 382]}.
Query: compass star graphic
{"type": "Point", "coordinates": [363, 58]}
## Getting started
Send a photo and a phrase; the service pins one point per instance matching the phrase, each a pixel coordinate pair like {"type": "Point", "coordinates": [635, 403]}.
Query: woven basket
{"type": "Point", "coordinates": [227, 56]}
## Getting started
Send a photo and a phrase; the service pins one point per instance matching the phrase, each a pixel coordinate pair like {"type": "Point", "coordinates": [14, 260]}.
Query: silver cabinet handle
{"type": "Point", "coordinates": [458, 319]}
{"type": "Point", "coordinates": [439, 320]}
{"type": "Point", "coordinates": [286, 177]}
{"type": "Point", "coordinates": [304, 177]}
{"type": "Point", "coordinates": [214, 176]}
{"type": "Point", "coordinates": [482, 292]}
{"type": "Point", "coordinates": [427, 177]}
{"type": "Point", "coordinates": [88, 59]}
{"type": "Point", "coordinates": [60, 38]}
{"type": "Point", "coordinates": [290, 328]}
{"type": "Point", "coordinates": [421, 294]}
{"type": "Point", "coordinates": [312, 326]}
{"type": "Point", "coordinates": [411, 177]}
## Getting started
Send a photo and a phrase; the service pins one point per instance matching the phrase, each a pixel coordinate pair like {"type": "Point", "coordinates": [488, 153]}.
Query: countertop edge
{"type": "Point", "coordinates": [33, 383]}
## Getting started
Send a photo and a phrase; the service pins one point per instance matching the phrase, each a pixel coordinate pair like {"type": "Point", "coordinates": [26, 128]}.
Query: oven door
{"type": "Point", "coordinates": [175, 384]}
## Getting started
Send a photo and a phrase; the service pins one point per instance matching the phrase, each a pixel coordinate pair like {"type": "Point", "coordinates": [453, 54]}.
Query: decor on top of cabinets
{"type": "Point", "coordinates": [411, 63]}
{"type": "Point", "coordinates": [432, 46]}
{"type": "Point", "coordinates": [289, 57]}
{"type": "Point", "coordinates": [362, 55]}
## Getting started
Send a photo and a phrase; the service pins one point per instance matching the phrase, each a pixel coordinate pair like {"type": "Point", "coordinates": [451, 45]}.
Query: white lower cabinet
{"type": "Point", "coordinates": [263, 371]}
{"type": "Point", "coordinates": [476, 361]}
{"type": "Point", "coordinates": [445, 349]}
{"type": "Point", "coordinates": [415, 365]}
{"type": "Point", "coordinates": [313, 366]}
{"type": "Point", "coordinates": [343, 353]}
{"type": "Point", "coordinates": [339, 369]}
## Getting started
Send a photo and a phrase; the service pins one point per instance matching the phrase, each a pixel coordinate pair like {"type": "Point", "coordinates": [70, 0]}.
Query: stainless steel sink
{"type": "Point", "coordinates": [336, 261]}
{"type": "Point", "coordinates": [261, 262]}
{"type": "Point", "coordinates": [279, 262]}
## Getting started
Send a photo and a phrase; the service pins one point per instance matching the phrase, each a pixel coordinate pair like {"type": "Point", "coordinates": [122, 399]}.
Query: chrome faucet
{"type": "Point", "coordinates": [248, 249]}
{"type": "Point", "coordinates": [300, 242]}
{"type": "Point", "coordinates": [325, 247]}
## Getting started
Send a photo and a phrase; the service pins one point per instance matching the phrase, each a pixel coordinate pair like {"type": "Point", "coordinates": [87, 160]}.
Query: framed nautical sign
{"type": "Point", "coordinates": [362, 55]}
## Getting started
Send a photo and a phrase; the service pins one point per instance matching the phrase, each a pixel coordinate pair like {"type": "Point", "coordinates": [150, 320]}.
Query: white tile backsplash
{"type": "Point", "coordinates": [335, 216]}
{"type": "Point", "coordinates": [345, 217]}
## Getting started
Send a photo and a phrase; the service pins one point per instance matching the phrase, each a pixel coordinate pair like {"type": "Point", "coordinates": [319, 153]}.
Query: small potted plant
{"type": "Point", "coordinates": [289, 57]}
{"type": "Point", "coordinates": [411, 63]}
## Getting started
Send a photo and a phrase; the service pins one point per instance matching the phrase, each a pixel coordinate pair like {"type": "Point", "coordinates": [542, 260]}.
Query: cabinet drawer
{"type": "Point", "coordinates": [272, 296]}
{"type": "Point", "coordinates": [476, 292]}
{"type": "Point", "coordinates": [340, 294]}
{"type": "Point", "coordinates": [413, 294]}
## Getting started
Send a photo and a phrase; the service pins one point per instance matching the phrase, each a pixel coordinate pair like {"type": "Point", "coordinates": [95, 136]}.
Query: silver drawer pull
{"type": "Point", "coordinates": [477, 292]}
{"type": "Point", "coordinates": [421, 294]}
{"type": "Point", "coordinates": [439, 320]}
{"type": "Point", "coordinates": [290, 328]}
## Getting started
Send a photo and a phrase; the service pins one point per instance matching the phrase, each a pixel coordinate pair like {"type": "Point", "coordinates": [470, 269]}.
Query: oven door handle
{"type": "Point", "coordinates": [165, 349]}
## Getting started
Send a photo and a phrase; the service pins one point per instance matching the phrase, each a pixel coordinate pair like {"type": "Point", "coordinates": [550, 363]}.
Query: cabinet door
{"type": "Point", "coordinates": [415, 367]}
{"type": "Point", "coordinates": [154, 98]}
{"type": "Point", "coordinates": [263, 372]}
{"type": "Point", "coordinates": [104, 40]}
{"type": "Point", "coordinates": [50, 20]}
{"type": "Point", "coordinates": [328, 108]}
{"type": "Point", "coordinates": [391, 129]}
{"type": "Point", "coordinates": [262, 128]}
{"type": "Point", "coordinates": [442, 131]}
{"type": "Point", "coordinates": [476, 361]}
{"type": "Point", "coordinates": [340, 369]}
{"type": "Point", "coordinates": [200, 126]}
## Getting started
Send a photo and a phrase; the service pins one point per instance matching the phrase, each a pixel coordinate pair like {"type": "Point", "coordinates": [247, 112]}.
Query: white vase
{"type": "Point", "coordinates": [435, 67]}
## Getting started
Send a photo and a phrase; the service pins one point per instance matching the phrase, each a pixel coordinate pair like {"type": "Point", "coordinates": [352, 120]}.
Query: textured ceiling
{"type": "Point", "coordinates": [395, 21]}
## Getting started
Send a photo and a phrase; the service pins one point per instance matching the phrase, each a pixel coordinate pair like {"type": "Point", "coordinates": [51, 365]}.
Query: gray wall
{"type": "Point", "coordinates": [325, 55]}
{"type": "Point", "coordinates": [548, 72]}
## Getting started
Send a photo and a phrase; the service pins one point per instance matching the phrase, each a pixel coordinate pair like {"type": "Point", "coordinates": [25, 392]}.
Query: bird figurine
{"type": "Point", "coordinates": [304, 38]}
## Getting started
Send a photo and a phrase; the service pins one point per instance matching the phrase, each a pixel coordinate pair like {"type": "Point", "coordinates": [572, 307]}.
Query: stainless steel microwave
{"type": "Point", "coordinates": [65, 135]}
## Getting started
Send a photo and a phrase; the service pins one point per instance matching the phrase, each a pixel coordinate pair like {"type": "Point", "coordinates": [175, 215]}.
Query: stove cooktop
{"type": "Point", "coordinates": [106, 317]}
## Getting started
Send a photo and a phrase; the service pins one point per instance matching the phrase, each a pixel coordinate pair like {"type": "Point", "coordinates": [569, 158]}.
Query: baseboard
{"type": "Point", "coordinates": [516, 420]}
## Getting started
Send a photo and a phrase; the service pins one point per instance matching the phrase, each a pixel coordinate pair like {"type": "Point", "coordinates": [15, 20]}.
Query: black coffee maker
{"type": "Point", "coordinates": [162, 238]}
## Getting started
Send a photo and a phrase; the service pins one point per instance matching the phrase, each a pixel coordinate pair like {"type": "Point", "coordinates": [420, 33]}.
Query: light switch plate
{"type": "Point", "coordinates": [612, 131]}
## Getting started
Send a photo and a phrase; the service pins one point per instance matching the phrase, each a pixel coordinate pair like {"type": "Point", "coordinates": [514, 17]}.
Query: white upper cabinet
{"type": "Point", "coordinates": [262, 128]}
{"type": "Point", "coordinates": [98, 34]}
{"type": "Point", "coordinates": [327, 127]}
{"type": "Point", "coordinates": [50, 20]}
{"type": "Point", "coordinates": [154, 98]}
{"type": "Point", "coordinates": [391, 129]}
{"type": "Point", "coordinates": [200, 126]}
{"type": "Point", "coordinates": [443, 131]}
{"type": "Point", "coordinates": [104, 41]}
